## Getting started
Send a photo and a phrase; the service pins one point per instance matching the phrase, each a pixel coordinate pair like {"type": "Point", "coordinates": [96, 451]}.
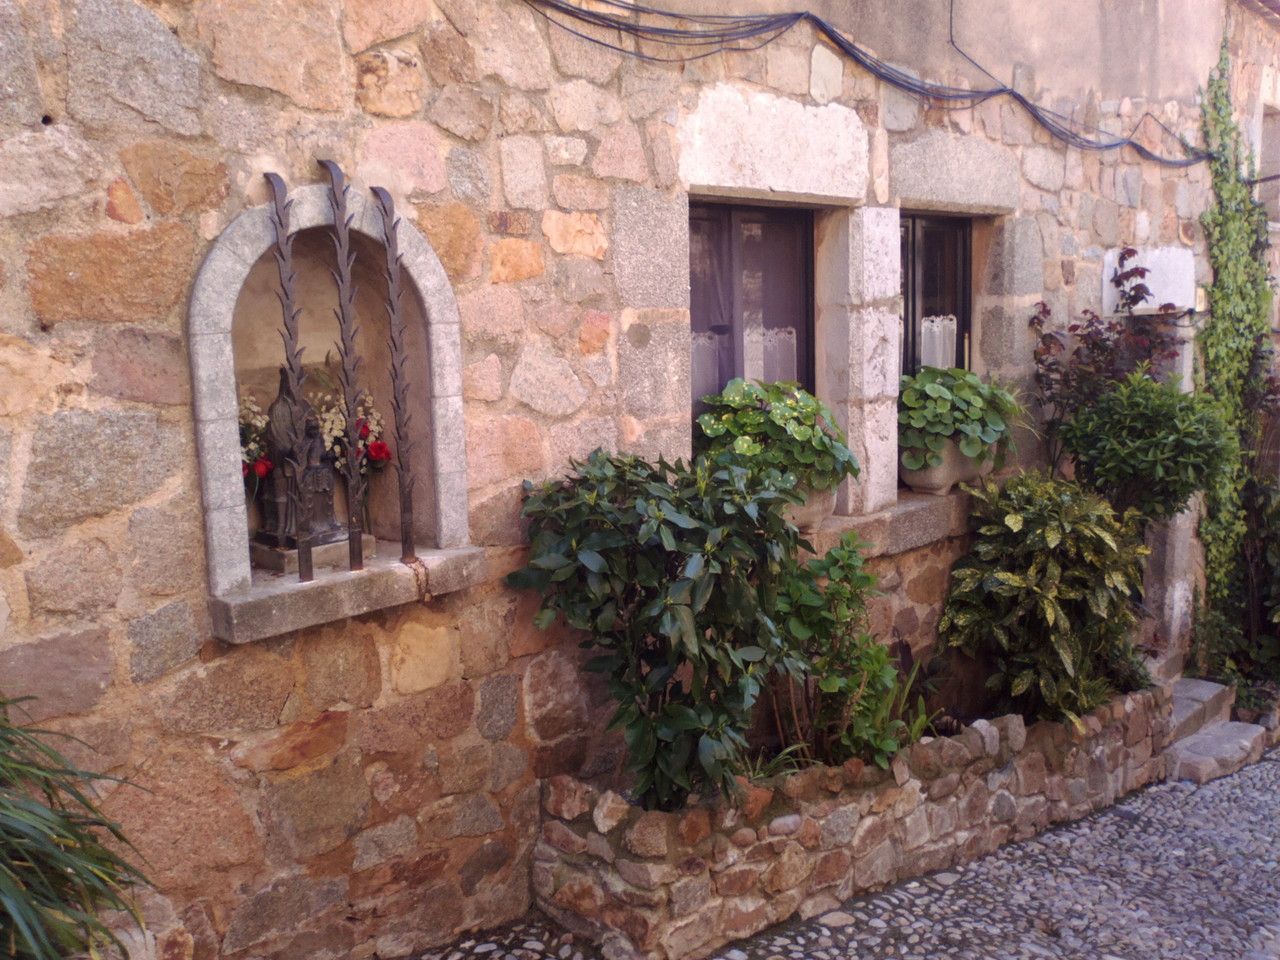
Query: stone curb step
{"type": "Point", "coordinates": [1217, 750]}
{"type": "Point", "coordinates": [1198, 703]}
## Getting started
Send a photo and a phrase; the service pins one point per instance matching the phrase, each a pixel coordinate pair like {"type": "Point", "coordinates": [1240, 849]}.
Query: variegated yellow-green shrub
{"type": "Point", "coordinates": [1047, 592]}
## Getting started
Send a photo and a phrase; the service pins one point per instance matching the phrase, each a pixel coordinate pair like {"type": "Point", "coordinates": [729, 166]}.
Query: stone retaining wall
{"type": "Point", "coordinates": [674, 886]}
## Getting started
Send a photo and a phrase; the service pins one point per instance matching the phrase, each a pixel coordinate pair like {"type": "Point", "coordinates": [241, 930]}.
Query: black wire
{"type": "Point", "coordinates": [717, 32]}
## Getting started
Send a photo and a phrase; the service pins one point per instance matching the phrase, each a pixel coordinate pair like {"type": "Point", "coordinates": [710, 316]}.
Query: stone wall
{"type": "Point", "coordinates": [675, 886]}
{"type": "Point", "coordinates": [369, 784]}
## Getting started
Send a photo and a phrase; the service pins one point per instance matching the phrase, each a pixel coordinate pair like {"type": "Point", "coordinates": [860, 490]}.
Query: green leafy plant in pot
{"type": "Point", "coordinates": [783, 427]}
{"type": "Point", "coordinates": [953, 427]}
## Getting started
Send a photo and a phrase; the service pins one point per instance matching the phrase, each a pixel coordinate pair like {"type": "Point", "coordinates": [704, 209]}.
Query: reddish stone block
{"type": "Point", "coordinates": [610, 810]}
{"type": "Point", "coordinates": [831, 867]}
{"type": "Point", "coordinates": [752, 800]}
{"type": "Point", "coordinates": [122, 205]}
{"type": "Point", "coordinates": [554, 700]}
{"type": "Point", "coordinates": [809, 834]}
{"type": "Point", "coordinates": [647, 876]}
{"type": "Point", "coordinates": [635, 923]}
{"type": "Point", "coordinates": [299, 744]}
{"type": "Point", "coordinates": [648, 835]}
{"type": "Point", "coordinates": [185, 804]}
{"type": "Point", "coordinates": [738, 882]}
{"type": "Point", "coordinates": [562, 838]}
{"type": "Point", "coordinates": [123, 278]}
{"type": "Point", "coordinates": [792, 867]}
{"type": "Point", "coordinates": [566, 755]}
{"type": "Point", "coordinates": [694, 827]}
{"type": "Point", "coordinates": [172, 179]}
{"type": "Point", "coordinates": [567, 798]}
{"type": "Point", "coordinates": [580, 897]}
{"type": "Point", "coordinates": [66, 674]}
{"type": "Point", "coordinates": [742, 918]}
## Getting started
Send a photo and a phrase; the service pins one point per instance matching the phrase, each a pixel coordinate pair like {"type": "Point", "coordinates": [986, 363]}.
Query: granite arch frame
{"type": "Point", "coordinates": [210, 315]}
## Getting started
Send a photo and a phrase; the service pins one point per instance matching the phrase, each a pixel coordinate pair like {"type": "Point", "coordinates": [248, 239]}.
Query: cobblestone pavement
{"type": "Point", "coordinates": [1177, 872]}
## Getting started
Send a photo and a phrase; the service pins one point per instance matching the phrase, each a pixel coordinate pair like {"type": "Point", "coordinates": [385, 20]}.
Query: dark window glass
{"type": "Point", "coordinates": [750, 296]}
{"type": "Point", "coordinates": [936, 268]}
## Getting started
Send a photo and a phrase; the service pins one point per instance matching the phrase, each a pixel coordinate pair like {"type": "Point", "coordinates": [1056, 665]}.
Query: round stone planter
{"type": "Point", "coordinates": [807, 517]}
{"type": "Point", "coordinates": [955, 468]}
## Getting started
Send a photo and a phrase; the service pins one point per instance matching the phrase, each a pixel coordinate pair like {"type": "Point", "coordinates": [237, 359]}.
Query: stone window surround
{"type": "Point", "coordinates": [245, 608]}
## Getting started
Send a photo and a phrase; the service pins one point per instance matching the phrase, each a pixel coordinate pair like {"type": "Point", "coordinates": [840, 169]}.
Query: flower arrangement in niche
{"type": "Point", "coordinates": [373, 451]}
{"type": "Point", "coordinates": [254, 465]}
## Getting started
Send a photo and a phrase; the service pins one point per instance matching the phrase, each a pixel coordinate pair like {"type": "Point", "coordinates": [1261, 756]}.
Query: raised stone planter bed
{"type": "Point", "coordinates": [676, 886]}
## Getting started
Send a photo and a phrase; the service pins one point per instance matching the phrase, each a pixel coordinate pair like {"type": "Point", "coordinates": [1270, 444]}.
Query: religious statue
{"type": "Point", "coordinates": [286, 492]}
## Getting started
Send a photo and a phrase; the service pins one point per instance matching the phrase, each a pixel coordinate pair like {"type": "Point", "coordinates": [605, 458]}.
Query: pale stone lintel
{"type": "Point", "coordinates": [277, 603]}
{"type": "Point", "coordinates": [916, 520]}
{"type": "Point", "coordinates": [956, 174]}
{"type": "Point", "coordinates": [765, 196]}
{"type": "Point", "coordinates": [741, 139]}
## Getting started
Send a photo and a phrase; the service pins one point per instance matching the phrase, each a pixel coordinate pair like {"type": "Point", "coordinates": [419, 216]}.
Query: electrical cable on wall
{"type": "Point", "coordinates": [717, 32]}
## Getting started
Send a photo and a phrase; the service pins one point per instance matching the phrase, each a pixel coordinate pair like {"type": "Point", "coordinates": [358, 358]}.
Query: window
{"type": "Point", "coordinates": [751, 295]}
{"type": "Point", "coordinates": [1269, 163]}
{"type": "Point", "coordinates": [936, 272]}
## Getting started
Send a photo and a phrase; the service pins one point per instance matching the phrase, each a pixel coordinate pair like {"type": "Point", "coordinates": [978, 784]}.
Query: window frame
{"type": "Point", "coordinates": [911, 229]}
{"type": "Point", "coordinates": [732, 215]}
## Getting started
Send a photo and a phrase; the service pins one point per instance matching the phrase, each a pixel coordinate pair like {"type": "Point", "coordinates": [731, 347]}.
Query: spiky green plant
{"type": "Point", "coordinates": [57, 871]}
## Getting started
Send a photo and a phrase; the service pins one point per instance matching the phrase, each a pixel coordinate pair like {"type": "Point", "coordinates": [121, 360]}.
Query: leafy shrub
{"type": "Point", "coordinates": [1046, 591]}
{"type": "Point", "coordinates": [777, 425]}
{"type": "Point", "coordinates": [56, 873]}
{"type": "Point", "coordinates": [849, 702]}
{"type": "Point", "coordinates": [937, 405]}
{"type": "Point", "coordinates": [1075, 366]}
{"type": "Point", "coordinates": [674, 571]}
{"type": "Point", "coordinates": [1147, 445]}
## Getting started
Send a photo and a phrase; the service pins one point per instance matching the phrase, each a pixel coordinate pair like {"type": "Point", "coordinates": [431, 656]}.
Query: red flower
{"type": "Point", "coordinates": [244, 469]}
{"type": "Point", "coordinates": [379, 451]}
{"type": "Point", "coordinates": [362, 428]}
{"type": "Point", "coordinates": [262, 466]}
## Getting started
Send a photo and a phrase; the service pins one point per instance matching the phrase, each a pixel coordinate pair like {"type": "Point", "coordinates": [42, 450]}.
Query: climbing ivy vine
{"type": "Point", "coordinates": [1233, 349]}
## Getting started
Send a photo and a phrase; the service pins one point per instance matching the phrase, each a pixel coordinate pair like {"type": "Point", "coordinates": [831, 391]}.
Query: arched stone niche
{"type": "Point", "coordinates": [225, 312]}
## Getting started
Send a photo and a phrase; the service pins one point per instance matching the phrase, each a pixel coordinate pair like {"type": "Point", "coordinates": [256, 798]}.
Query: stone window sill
{"type": "Point", "coordinates": [276, 603]}
{"type": "Point", "coordinates": [916, 520]}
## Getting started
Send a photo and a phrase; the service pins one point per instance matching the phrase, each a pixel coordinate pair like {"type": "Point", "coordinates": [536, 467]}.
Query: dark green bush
{"type": "Point", "coordinates": [851, 701]}
{"type": "Point", "coordinates": [1147, 445]}
{"type": "Point", "coordinates": [674, 571]}
{"type": "Point", "coordinates": [1047, 591]}
{"type": "Point", "coordinates": [56, 871]}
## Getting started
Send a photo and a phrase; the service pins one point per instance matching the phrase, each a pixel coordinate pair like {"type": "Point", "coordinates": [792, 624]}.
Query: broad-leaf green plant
{"type": "Point", "coordinates": [1047, 592]}
{"type": "Point", "coordinates": [673, 570]}
{"type": "Point", "coordinates": [937, 405]}
{"type": "Point", "coordinates": [58, 867]}
{"type": "Point", "coordinates": [851, 702]}
{"type": "Point", "coordinates": [1148, 445]}
{"type": "Point", "coordinates": [777, 425]}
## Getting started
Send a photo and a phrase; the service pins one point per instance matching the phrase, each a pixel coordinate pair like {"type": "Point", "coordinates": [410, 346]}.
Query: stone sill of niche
{"type": "Point", "coordinates": [277, 603]}
{"type": "Point", "coordinates": [915, 520]}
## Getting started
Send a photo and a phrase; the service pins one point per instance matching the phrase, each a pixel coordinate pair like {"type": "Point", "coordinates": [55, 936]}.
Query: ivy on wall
{"type": "Point", "coordinates": [1233, 348]}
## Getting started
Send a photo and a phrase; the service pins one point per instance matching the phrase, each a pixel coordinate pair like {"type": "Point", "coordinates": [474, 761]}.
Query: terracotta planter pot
{"type": "Point", "coordinates": [955, 468]}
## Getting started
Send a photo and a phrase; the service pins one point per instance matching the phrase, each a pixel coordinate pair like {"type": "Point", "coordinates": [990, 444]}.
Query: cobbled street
{"type": "Point", "coordinates": [1176, 872]}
